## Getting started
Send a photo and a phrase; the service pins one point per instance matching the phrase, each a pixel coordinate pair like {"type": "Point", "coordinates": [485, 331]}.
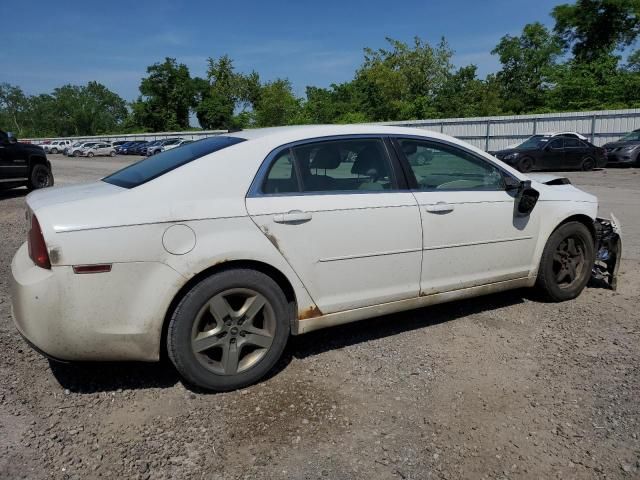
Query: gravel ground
{"type": "Point", "coordinates": [504, 386]}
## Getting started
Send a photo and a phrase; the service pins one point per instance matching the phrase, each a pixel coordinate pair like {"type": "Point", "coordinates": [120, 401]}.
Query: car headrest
{"type": "Point", "coordinates": [369, 162]}
{"type": "Point", "coordinates": [326, 158]}
{"type": "Point", "coordinates": [409, 148]}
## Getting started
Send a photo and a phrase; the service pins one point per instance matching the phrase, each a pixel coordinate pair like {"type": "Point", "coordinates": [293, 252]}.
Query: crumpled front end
{"type": "Point", "coordinates": [608, 251]}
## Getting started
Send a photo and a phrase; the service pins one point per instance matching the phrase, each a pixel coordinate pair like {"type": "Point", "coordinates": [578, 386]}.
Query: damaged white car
{"type": "Point", "coordinates": [217, 251]}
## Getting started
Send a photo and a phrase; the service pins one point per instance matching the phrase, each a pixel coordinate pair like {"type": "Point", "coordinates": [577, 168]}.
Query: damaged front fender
{"type": "Point", "coordinates": [608, 251]}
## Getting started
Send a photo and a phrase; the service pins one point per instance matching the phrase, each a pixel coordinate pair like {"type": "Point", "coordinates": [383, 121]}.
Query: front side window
{"type": "Point", "coordinates": [348, 165]}
{"type": "Point", "coordinates": [442, 167]}
{"type": "Point", "coordinates": [157, 165]}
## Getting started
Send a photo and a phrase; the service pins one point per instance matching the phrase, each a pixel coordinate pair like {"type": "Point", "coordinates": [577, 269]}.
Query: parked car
{"type": "Point", "coordinates": [76, 149]}
{"type": "Point", "coordinates": [23, 164]}
{"type": "Point", "coordinates": [139, 148]}
{"type": "Point", "coordinates": [124, 148]}
{"type": "Point", "coordinates": [549, 134]}
{"type": "Point", "coordinates": [545, 152]}
{"type": "Point", "coordinates": [142, 150]}
{"type": "Point", "coordinates": [57, 146]}
{"type": "Point", "coordinates": [117, 143]}
{"type": "Point", "coordinates": [625, 151]}
{"type": "Point", "coordinates": [99, 149]}
{"type": "Point", "coordinates": [170, 146]}
{"type": "Point", "coordinates": [156, 147]}
{"type": "Point", "coordinates": [249, 237]}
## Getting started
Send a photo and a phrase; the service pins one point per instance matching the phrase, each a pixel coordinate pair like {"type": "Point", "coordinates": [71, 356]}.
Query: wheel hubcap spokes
{"type": "Point", "coordinates": [233, 331]}
{"type": "Point", "coordinates": [568, 261]}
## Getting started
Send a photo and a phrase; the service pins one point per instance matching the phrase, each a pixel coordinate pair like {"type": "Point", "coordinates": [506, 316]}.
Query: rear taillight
{"type": "Point", "coordinates": [37, 248]}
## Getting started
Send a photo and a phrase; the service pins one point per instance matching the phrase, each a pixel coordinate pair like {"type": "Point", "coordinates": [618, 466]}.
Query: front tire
{"type": "Point", "coordinates": [90, 154]}
{"type": "Point", "coordinates": [567, 260]}
{"type": "Point", "coordinates": [54, 150]}
{"type": "Point", "coordinates": [229, 330]}
{"type": "Point", "coordinates": [41, 177]}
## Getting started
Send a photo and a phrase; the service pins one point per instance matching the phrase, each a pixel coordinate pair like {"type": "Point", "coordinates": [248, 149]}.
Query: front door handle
{"type": "Point", "coordinates": [440, 207]}
{"type": "Point", "coordinates": [294, 217]}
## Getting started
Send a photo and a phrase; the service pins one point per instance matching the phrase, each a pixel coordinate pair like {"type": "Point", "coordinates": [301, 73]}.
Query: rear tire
{"type": "Point", "coordinates": [90, 154]}
{"type": "Point", "coordinates": [54, 150]}
{"type": "Point", "coordinates": [112, 154]}
{"type": "Point", "coordinates": [567, 260]}
{"type": "Point", "coordinates": [41, 177]}
{"type": "Point", "coordinates": [588, 164]}
{"type": "Point", "coordinates": [229, 330]}
{"type": "Point", "coordinates": [525, 165]}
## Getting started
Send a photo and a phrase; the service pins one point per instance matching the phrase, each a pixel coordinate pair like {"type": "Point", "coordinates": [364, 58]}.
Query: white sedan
{"type": "Point", "coordinates": [217, 251]}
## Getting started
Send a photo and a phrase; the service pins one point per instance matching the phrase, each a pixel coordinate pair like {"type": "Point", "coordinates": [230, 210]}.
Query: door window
{"type": "Point", "coordinates": [556, 144]}
{"type": "Point", "coordinates": [572, 143]}
{"type": "Point", "coordinates": [442, 167]}
{"type": "Point", "coordinates": [353, 165]}
{"type": "Point", "coordinates": [281, 177]}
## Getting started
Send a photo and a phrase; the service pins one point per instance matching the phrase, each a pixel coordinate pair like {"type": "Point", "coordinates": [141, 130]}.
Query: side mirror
{"type": "Point", "coordinates": [511, 183]}
{"type": "Point", "coordinates": [11, 137]}
{"type": "Point", "coordinates": [526, 199]}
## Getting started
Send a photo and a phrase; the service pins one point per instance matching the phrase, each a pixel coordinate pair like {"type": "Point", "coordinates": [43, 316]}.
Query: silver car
{"type": "Point", "coordinates": [98, 149]}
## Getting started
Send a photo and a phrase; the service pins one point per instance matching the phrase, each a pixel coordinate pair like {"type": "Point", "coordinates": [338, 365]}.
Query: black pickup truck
{"type": "Point", "coordinates": [22, 164]}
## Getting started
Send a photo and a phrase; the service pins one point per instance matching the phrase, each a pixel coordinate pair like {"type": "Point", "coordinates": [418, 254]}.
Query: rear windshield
{"type": "Point", "coordinates": [157, 165]}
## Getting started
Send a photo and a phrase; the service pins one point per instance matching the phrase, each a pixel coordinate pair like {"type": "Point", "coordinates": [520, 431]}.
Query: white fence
{"type": "Point", "coordinates": [495, 133]}
{"type": "Point", "coordinates": [488, 133]}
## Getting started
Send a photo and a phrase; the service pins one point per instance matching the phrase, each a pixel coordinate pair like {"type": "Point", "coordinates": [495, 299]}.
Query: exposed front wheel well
{"type": "Point", "coordinates": [274, 273]}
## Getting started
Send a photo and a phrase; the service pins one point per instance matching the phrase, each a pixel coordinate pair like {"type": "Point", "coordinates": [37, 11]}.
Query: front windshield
{"type": "Point", "coordinates": [631, 136]}
{"type": "Point", "coordinates": [157, 165]}
{"type": "Point", "coordinates": [534, 143]}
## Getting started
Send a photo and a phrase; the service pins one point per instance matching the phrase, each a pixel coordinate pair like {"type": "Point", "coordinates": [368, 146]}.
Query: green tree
{"type": "Point", "coordinates": [166, 97]}
{"type": "Point", "coordinates": [14, 106]}
{"type": "Point", "coordinates": [337, 104]}
{"type": "Point", "coordinates": [597, 84]}
{"type": "Point", "coordinates": [528, 61]}
{"type": "Point", "coordinates": [465, 95]}
{"type": "Point", "coordinates": [401, 83]}
{"type": "Point", "coordinates": [85, 110]}
{"type": "Point", "coordinates": [278, 105]}
{"type": "Point", "coordinates": [592, 28]}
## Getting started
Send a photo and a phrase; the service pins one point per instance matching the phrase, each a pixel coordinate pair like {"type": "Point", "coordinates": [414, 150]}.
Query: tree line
{"type": "Point", "coordinates": [576, 65]}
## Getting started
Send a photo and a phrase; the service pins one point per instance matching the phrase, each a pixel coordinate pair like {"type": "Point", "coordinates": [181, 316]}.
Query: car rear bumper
{"type": "Point", "coordinates": [107, 316]}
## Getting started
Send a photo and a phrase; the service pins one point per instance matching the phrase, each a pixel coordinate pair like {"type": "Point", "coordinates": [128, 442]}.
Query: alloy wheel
{"type": "Point", "coordinates": [233, 331]}
{"type": "Point", "coordinates": [569, 261]}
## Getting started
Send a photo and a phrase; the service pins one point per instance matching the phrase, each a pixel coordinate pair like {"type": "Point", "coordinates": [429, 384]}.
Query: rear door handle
{"type": "Point", "coordinates": [440, 207]}
{"type": "Point", "coordinates": [294, 216]}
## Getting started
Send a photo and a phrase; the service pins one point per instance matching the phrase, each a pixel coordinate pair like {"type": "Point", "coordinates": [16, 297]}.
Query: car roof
{"type": "Point", "coordinates": [282, 135]}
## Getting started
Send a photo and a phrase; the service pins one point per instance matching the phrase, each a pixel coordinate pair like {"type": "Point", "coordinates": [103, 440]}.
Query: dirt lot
{"type": "Point", "coordinates": [498, 387]}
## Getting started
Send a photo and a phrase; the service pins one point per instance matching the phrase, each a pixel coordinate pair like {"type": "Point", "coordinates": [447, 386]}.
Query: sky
{"type": "Point", "coordinates": [47, 44]}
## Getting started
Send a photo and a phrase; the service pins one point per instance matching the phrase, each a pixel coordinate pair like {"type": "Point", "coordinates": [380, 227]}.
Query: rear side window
{"type": "Point", "coordinates": [344, 166]}
{"type": "Point", "coordinates": [282, 175]}
{"type": "Point", "coordinates": [157, 165]}
{"type": "Point", "coordinates": [572, 143]}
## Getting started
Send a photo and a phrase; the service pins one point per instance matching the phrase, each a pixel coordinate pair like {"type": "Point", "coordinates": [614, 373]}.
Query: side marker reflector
{"type": "Point", "coordinates": [100, 268]}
